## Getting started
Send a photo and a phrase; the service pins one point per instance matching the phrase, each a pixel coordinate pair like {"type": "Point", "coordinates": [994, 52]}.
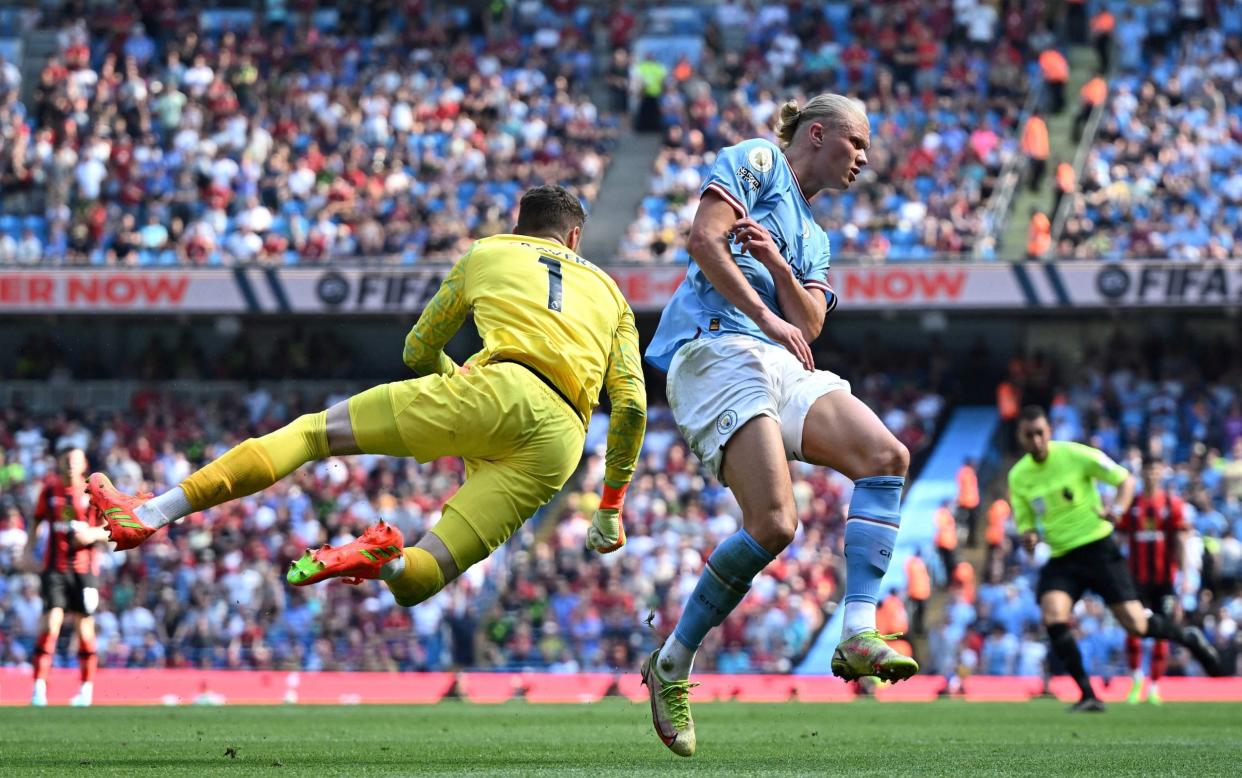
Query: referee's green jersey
{"type": "Point", "coordinates": [1059, 495]}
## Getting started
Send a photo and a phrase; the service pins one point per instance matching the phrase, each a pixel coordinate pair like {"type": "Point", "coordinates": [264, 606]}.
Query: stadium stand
{"type": "Point", "coordinates": [159, 136]}
{"type": "Point", "coordinates": [211, 594]}
{"type": "Point", "coordinates": [944, 96]}
{"type": "Point", "coordinates": [1162, 178]}
{"type": "Point", "coordinates": [1179, 403]}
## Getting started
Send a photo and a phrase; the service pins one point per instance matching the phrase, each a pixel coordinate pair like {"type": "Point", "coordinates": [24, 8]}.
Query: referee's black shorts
{"type": "Point", "coordinates": [1098, 566]}
{"type": "Point", "coordinates": [70, 591]}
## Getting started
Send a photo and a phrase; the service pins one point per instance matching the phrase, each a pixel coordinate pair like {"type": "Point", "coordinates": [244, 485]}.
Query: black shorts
{"type": "Point", "coordinates": [1098, 566]}
{"type": "Point", "coordinates": [73, 592]}
{"type": "Point", "coordinates": [1157, 598]}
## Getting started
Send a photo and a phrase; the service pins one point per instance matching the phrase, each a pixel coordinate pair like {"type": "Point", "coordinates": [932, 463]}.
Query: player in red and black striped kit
{"type": "Point", "coordinates": [70, 571]}
{"type": "Point", "coordinates": [1154, 530]}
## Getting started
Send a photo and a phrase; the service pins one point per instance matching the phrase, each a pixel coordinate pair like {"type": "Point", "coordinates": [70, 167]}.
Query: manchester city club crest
{"type": "Point", "coordinates": [725, 422]}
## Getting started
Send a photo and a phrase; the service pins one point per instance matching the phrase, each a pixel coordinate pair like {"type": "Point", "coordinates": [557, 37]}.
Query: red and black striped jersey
{"type": "Point", "coordinates": [58, 507]}
{"type": "Point", "coordinates": [1152, 524]}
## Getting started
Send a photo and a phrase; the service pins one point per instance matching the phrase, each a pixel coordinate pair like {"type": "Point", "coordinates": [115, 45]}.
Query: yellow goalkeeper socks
{"type": "Point", "coordinates": [256, 464]}
{"type": "Point", "coordinates": [420, 579]}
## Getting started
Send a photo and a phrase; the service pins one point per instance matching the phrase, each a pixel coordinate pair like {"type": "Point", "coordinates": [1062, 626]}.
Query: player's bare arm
{"type": "Point", "coordinates": [709, 245]}
{"type": "Point", "coordinates": [1122, 501]}
{"type": "Point", "coordinates": [804, 308]}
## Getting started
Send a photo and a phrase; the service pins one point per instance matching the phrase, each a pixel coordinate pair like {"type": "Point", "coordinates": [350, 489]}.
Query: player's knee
{"type": "Point", "coordinates": [773, 528]}
{"type": "Point", "coordinates": [892, 459]}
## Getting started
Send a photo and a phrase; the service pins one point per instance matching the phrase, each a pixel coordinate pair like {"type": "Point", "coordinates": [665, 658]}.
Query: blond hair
{"type": "Point", "coordinates": [832, 110]}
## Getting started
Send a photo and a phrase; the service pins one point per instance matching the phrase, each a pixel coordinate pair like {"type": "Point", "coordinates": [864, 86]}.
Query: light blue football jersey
{"type": "Point", "coordinates": [755, 178]}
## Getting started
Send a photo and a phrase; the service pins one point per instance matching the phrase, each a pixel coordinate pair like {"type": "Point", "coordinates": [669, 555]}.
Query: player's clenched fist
{"type": "Point", "coordinates": [607, 532]}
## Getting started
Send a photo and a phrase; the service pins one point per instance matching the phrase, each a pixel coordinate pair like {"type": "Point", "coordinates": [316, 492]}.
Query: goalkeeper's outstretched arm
{"type": "Point", "coordinates": [440, 320]}
{"type": "Point", "coordinates": [627, 425]}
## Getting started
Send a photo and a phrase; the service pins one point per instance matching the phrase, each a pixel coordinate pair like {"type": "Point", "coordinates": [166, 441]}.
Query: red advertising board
{"type": "Point", "coordinates": [237, 687]}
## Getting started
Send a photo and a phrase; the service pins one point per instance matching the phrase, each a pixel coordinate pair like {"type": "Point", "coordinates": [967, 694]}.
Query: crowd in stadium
{"type": "Point", "coordinates": [160, 136]}
{"type": "Point", "coordinates": [211, 592]}
{"type": "Point", "coordinates": [1164, 175]}
{"type": "Point", "coordinates": [153, 139]}
{"type": "Point", "coordinates": [1130, 398]}
{"type": "Point", "coordinates": [943, 92]}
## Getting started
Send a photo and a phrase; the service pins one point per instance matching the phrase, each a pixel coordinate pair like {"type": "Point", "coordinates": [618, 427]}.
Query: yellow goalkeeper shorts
{"type": "Point", "coordinates": [519, 439]}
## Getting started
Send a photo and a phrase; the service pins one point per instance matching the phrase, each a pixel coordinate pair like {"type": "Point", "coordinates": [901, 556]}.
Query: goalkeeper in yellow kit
{"type": "Point", "coordinates": [555, 330]}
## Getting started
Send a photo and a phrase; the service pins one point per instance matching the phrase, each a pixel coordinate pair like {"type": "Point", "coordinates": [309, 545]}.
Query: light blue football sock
{"type": "Point", "coordinates": [870, 533]}
{"type": "Point", "coordinates": [725, 581]}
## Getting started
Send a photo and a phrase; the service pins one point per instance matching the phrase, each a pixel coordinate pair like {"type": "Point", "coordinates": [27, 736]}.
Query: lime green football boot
{"type": "Point", "coordinates": [1136, 692]}
{"type": "Point", "coordinates": [866, 654]}
{"type": "Point", "coordinates": [670, 708]}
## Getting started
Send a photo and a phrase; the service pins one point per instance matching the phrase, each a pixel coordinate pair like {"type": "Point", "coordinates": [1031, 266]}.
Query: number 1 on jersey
{"type": "Point", "coordinates": [554, 282]}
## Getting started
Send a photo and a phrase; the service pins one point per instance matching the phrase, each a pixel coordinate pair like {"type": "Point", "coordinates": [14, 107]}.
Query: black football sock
{"type": "Point", "coordinates": [1162, 629]}
{"type": "Point", "coordinates": [1066, 649]}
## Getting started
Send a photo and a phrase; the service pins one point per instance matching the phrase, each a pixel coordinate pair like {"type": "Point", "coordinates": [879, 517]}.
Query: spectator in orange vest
{"type": "Point", "coordinates": [890, 616]}
{"type": "Point", "coordinates": [1056, 72]}
{"type": "Point", "coordinates": [1102, 26]}
{"type": "Point", "coordinates": [1038, 236]}
{"type": "Point", "coordinates": [1093, 93]}
{"type": "Point", "coordinates": [968, 501]}
{"type": "Point", "coordinates": [918, 590]}
{"type": "Point", "coordinates": [683, 70]}
{"type": "Point", "coordinates": [1035, 146]}
{"type": "Point", "coordinates": [997, 526]}
{"type": "Point", "coordinates": [891, 619]}
{"type": "Point", "coordinates": [1008, 404]}
{"type": "Point", "coordinates": [946, 538]}
{"type": "Point", "coordinates": [998, 515]}
{"type": "Point", "coordinates": [964, 579]}
{"type": "Point", "coordinates": [1067, 182]}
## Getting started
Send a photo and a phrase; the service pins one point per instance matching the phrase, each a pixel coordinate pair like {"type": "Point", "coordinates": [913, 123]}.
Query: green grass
{"type": "Point", "coordinates": [615, 738]}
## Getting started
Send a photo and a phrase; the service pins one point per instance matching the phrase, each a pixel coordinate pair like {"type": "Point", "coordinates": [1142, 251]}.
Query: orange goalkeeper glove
{"type": "Point", "coordinates": [607, 532]}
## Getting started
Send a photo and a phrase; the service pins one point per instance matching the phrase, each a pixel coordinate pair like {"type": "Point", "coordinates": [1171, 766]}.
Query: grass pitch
{"type": "Point", "coordinates": [615, 738]}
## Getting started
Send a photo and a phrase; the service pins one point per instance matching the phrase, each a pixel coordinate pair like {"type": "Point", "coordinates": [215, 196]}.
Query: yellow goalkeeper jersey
{"type": "Point", "coordinates": [540, 304]}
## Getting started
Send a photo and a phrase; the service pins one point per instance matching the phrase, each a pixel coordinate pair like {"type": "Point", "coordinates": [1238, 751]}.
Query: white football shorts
{"type": "Point", "coordinates": [715, 385]}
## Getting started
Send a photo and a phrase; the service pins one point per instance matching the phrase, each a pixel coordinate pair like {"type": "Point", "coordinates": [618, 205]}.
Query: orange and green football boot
{"type": "Point", "coordinates": [354, 562]}
{"type": "Point", "coordinates": [866, 653]}
{"type": "Point", "coordinates": [117, 511]}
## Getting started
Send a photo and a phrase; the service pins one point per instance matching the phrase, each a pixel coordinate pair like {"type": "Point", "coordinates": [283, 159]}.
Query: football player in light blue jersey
{"type": "Point", "coordinates": [744, 390]}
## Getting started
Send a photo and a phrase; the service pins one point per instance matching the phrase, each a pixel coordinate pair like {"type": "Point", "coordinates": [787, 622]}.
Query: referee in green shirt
{"type": "Point", "coordinates": [1053, 490]}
